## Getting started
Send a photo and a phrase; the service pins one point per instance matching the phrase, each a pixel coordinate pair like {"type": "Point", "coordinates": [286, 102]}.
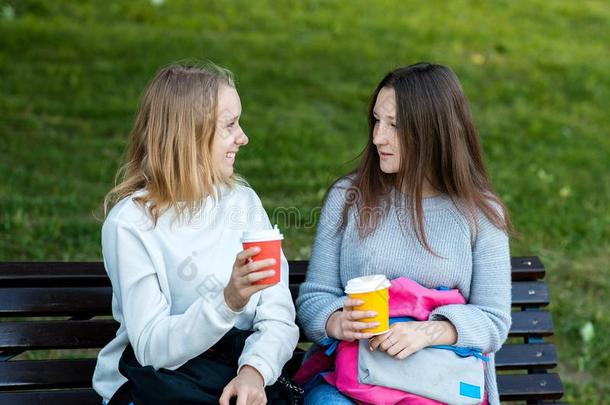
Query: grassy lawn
{"type": "Point", "coordinates": [536, 74]}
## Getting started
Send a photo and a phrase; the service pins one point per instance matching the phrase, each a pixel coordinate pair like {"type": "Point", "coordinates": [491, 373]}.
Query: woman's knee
{"type": "Point", "coordinates": [326, 394]}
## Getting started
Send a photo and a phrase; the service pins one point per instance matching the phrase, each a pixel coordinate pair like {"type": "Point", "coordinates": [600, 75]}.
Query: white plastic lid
{"type": "Point", "coordinates": [262, 236]}
{"type": "Point", "coordinates": [367, 284]}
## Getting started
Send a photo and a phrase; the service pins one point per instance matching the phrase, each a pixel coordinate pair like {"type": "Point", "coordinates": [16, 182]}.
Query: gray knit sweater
{"type": "Point", "coordinates": [477, 263]}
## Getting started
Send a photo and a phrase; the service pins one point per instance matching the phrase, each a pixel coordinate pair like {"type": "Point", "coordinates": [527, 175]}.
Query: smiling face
{"type": "Point", "coordinates": [385, 136]}
{"type": "Point", "coordinates": [229, 136]}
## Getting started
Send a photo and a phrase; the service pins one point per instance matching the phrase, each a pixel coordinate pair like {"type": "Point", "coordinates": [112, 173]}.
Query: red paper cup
{"type": "Point", "coordinates": [270, 243]}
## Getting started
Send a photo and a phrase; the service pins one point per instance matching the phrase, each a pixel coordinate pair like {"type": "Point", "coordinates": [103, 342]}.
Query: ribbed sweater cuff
{"type": "Point", "coordinates": [470, 331]}
{"type": "Point", "coordinates": [317, 323]}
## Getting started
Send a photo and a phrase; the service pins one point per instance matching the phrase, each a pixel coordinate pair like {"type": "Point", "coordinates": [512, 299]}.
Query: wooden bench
{"type": "Point", "coordinates": [73, 300]}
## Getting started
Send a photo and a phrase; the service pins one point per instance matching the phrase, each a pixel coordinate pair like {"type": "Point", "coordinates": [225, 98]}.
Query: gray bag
{"type": "Point", "coordinates": [434, 373]}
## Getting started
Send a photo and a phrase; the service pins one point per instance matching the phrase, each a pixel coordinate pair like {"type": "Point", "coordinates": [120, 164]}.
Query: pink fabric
{"type": "Point", "coordinates": [407, 298]}
{"type": "Point", "coordinates": [317, 363]}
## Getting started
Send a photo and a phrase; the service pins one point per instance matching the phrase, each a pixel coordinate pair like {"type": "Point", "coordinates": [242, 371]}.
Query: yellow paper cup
{"type": "Point", "coordinates": [374, 291]}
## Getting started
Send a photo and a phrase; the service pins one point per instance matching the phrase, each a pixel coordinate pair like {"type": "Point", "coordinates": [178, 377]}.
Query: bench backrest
{"type": "Point", "coordinates": [57, 305]}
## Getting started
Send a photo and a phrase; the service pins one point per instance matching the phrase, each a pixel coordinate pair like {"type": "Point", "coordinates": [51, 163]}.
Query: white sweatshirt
{"type": "Point", "coordinates": [168, 283]}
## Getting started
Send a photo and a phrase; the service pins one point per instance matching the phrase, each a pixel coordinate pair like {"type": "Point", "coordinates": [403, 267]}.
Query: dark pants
{"type": "Point", "coordinates": [198, 381]}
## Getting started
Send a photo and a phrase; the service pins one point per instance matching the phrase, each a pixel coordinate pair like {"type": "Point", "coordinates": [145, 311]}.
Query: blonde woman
{"type": "Point", "coordinates": [193, 326]}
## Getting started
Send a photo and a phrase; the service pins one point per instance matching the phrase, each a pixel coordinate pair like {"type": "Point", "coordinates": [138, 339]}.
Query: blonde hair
{"type": "Point", "coordinates": [169, 149]}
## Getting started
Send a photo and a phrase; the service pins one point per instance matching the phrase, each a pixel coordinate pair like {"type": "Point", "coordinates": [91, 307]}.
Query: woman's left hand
{"type": "Point", "coordinates": [406, 338]}
{"type": "Point", "coordinates": [248, 387]}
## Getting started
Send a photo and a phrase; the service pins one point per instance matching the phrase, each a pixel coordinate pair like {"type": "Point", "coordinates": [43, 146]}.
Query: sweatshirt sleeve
{"type": "Point", "coordinates": [322, 293]}
{"type": "Point", "coordinates": [484, 322]}
{"type": "Point", "coordinates": [276, 334]}
{"type": "Point", "coordinates": [158, 338]}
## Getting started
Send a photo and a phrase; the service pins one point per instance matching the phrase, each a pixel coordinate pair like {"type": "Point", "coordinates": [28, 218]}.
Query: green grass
{"type": "Point", "coordinates": [536, 74]}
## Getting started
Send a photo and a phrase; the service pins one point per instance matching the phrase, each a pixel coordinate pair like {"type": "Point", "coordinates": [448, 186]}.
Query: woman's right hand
{"type": "Point", "coordinates": [245, 272]}
{"type": "Point", "coordinates": [346, 325]}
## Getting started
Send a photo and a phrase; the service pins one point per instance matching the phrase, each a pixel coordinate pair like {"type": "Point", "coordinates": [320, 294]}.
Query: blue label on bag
{"type": "Point", "coordinates": [469, 390]}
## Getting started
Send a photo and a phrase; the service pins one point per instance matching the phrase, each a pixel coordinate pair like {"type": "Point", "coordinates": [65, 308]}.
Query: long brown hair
{"type": "Point", "coordinates": [169, 148]}
{"type": "Point", "coordinates": [438, 143]}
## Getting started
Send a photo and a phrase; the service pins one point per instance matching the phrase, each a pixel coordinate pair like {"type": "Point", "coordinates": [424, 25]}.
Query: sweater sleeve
{"type": "Point", "coordinates": [484, 322]}
{"type": "Point", "coordinates": [322, 293]}
{"type": "Point", "coordinates": [158, 338]}
{"type": "Point", "coordinates": [275, 333]}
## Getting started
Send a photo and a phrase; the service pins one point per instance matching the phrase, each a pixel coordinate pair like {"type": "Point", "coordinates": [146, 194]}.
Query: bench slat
{"type": "Point", "coordinates": [510, 357]}
{"type": "Point", "coordinates": [72, 397]}
{"type": "Point", "coordinates": [64, 274]}
{"type": "Point", "coordinates": [524, 323]}
{"type": "Point", "coordinates": [94, 333]}
{"type": "Point", "coordinates": [53, 397]}
{"type": "Point", "coordinates": [41, 301]}
{"type": "Point", "coordinates": [45, 374]}
{"type": "Point", "coordinates": [57, 334]}
{"type": "Point", "coordinates": [53, 274]}
{"type": "Point", "coordinates": [524, 293]}
{"type": "Point", "coordinates": [530, 293]}
{"type": "Point", "coordinates": [527, 268]}
{"type": "Point", "coordinates": [519, 387]}
{"type": "Point", "coordinates": [523, 268]}
{"type": "Point", "coordinates": [522, 356]}
{"type": "Point", "coordinates": [531, 323]}
{"type": "Point", "coordinates": [511, 388]}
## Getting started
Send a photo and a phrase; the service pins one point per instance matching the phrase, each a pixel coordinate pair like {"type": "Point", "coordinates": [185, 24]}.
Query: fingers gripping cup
{"type": "Point", "coordinates": [270, 243]}
{"type": "Point", "coordinates": [374, 291]}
